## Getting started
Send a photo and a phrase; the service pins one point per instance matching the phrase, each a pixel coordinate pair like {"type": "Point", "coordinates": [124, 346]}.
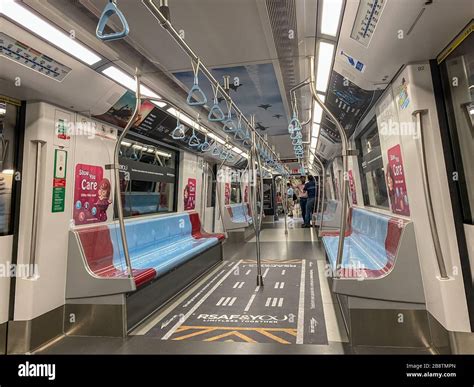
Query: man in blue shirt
{"type": "Point", "coordinates": [310, 188]}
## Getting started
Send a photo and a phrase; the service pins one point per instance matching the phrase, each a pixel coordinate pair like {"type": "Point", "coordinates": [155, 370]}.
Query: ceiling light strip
{"type": "Point", "coordinates": [45, 30]}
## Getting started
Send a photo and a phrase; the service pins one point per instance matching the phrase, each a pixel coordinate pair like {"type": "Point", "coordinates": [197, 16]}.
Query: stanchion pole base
{"type": "Point", "coordinates": [259, 280]}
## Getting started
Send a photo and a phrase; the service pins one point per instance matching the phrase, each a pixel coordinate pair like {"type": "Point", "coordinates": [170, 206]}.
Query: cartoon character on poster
{"type": "Point", "coordinates": [103, 201]}
{"type": "Point", "coordinates": [396, 185]}
{"type": "Point", "coordinates": [91, 195]}
{"type": "Point", "coordinates": [227, 193]}
{"type": "Point", "coordinates": [190, 195]}
{"type": "Point", "coordinates": [352, 188]}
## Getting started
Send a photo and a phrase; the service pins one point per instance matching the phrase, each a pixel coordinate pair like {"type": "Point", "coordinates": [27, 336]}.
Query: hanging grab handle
{"type": "Point", "coordinates": [247, 141]}
{"type": "Point", "coordinates": [194, 140]}
{"type": "Point", "coordinates": [216, 151]}
{"type": "Point", "coordinates": [111, 9]}
{"type": "Point", "coordinates": [216, 114]}
{"type": "Point", "coordinates": [239, 132]}
{"type": "Point", "coordinates": [205, 146]}
{"type": "Point", "coordinates": [294, 124]}
{"type": "Point", "coordinates": [196, 96]}
{"type": "Point", "coordinates": [229, 124]}
{"type": "Point", "coordinates": [178, 132]}
{"type": "Point", "coordinates": [296, 135]}
{"type": "Point", "coordinates": [297, 141]}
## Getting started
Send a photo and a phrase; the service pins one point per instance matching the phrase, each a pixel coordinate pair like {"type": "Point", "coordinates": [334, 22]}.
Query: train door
{"type": "Point", "coordinates": [456, 92]}
{"type": "Point", "coordinates": [10, 117]}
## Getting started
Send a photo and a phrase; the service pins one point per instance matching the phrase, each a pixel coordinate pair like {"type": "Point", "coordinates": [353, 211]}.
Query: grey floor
{"type": "Point", "coordinates": [299, 243]}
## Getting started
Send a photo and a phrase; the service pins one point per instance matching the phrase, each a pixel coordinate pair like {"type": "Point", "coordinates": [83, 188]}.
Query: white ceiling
{"type": "Point", "coordinates": [223, 32]}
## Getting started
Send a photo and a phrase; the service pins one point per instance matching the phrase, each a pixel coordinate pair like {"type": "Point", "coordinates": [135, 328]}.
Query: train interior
{"type": "Point", "coordinates": [236, 176]}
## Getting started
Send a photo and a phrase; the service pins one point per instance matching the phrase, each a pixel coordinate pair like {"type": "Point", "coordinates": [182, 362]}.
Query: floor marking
{"type": "Point", "coordinates": [199, 303]}
{"type": "Point", "coordinates": [277, 285]}
{"type": "Point", "coordinates": [241, 285]}
{"type": "Point", "coordinates": [232, 301]}
{"type": "Point", "coordinates": [275, 300]}
{"type": "Point", "coordinates": [265, 272]}
{"type": "Point", "coordinates": [185, 337]}
{"type": "Point", "coordinates": [282, 285]}
{"type": "Point", "coordinates": [300, 323]}
{"type": "Point", "coordinates": [238, 285]}
{"type": "Point", "coordinates": [273, 337]}
{"type": "Point", "coordinates": [248, 272]}
{"type": "Point", "coordinates": [232, 333]}
{"type": "Point", "coordinates": [247, 308]}
{"type": "Point", "coordinates": [202, 290]}
{"type": "Point", "coordinates": [283, 272]}
{"type": "Point", "coordinates": [220, 301]}
{"type": "Point", "coordinates": [226, 301]}
{"type": "Point", "coordinates": [256, 289]}
{"type": "Point", "coordinates": [268, 301]}
{"type": "Point", "coordinates": [313, 297]}
{"type": "Point", "coordinates": [280, 303]}
{"type": "Point", "coordinates": [235, 331]}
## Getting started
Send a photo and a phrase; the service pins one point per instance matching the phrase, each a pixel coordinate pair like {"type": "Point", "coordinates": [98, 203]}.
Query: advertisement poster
{"type": "Point", "coordinates": [190, 195]}
{"type": "Point", "coordinates": [396, 185]}
{"type": "Point", "coordinates": [246, 194]}
{"type": "Point", "coordinates": [352, 188]}
{"type": "Point", "coordinates": [403, 99]}
{"type": "Point", "coordinates": [91, 194]}
{"type": "Point", "coordinates": [227, 193]}
{"type": "Point", "coordinates": [120, 113]}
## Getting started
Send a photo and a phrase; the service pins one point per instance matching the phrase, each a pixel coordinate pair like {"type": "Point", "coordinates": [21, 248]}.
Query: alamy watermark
{"type": "Point", "coordinates": [23, 271]}
{"type": "Point", "coordinates": [395, 128]}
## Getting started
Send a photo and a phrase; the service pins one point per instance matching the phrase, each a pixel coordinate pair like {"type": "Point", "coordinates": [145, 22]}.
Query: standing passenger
{"type": "Point", "coordinates": [310, 189]}
{"type": "Point", "coordinates": [289, 199]}
{"type": "Point", "coordinates": [303, 196]}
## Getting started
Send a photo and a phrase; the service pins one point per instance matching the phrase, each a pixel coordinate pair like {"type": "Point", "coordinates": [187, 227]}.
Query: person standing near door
{"type": "Point", "coordinates": [303, 196]}
{"type": "Point", "coordinates": [289, 199]}
{"type": "Point", "coordinates": [310, 189]}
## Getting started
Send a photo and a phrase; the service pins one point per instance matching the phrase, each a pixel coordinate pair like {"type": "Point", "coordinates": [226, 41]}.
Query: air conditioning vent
{"type": "Point", "coordinates": [23, 54]}
{"type": "Point", "coordinates": [282, 14]}
{"type": "Point", "coordinates": [367, 18]}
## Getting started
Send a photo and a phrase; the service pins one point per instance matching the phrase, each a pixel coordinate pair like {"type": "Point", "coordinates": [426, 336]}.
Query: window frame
{"type": "Point", "coordinates": [370, 129]}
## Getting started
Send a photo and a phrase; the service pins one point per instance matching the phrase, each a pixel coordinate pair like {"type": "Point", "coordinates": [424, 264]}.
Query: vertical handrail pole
{"type": "Point", "coordinates": [427, 191]}
{"type": "Point", "coordinates": [345, 167]}
{"type": "Point", "coordinates": [219, 201]}
{"type": "Point", "coordinates": [35, 209]}
{"type": "Point", "coordinates": [116, 167]}
{"type": "Point", "coordinates": [257, 221]}
{"type": "Point", "coordinates": [203, 192]}
{"type": "Point", "coordinates": [321, 190]}
{"type": "Point", "coordinates": [285, 207]}
{"type": "Point", "coordinates": [218, 189]}
{"type": "Point", "coordinates": [316, 202]}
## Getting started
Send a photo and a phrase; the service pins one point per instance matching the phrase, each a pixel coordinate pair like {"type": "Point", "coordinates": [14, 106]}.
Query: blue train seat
{"type": "Point", "coordinates": [156, 245]}
{"type": "Point", "coordinates": [370, 246]}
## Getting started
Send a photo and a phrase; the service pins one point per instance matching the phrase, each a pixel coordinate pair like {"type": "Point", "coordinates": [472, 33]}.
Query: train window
{"type": "Point", "coordinates": [148, 179]}
{"type": "Point", "coordinates": [235, 196]}
{"type": "Point", "coordinates": [374, 188]}
{"type": "Point", "coordinates": [8, 139]}
{"type": "Point", "coordinates": [210, 191]}
{"type": "Point", "coordinates": [458, 85]}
